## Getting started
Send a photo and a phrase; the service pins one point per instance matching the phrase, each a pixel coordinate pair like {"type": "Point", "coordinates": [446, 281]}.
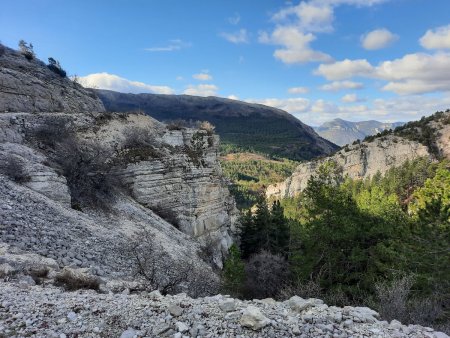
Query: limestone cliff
{"type": "Point", "coordinates": [169, 182]}
{"type": "Point", "coordinates": [429, 137]}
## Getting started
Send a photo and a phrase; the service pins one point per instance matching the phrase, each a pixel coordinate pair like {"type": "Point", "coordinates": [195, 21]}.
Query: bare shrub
{"type": "Point", "coordinates": [26, 49]}
{"type": "Point", "coordinates": [207, 126]}
{"type": "Point", "coordinates": [88, 168]}
{"type": "Point", "coordinates": [393, 298]}
{"type": "Point", "coordinates": [14, 168]}
{"type": "Point", "coordinates": [73, 280]}
{"type": "Point", "coordinates": [50, 132]}
{"type": "Point", "coordinates": [304, 289]}
{"type": "Point", "coordinates": [136, 137]}
{"type": "Point", "coordinates": [160, 272]}
{"type": "Point", "coordinates": [265, 274]}
{"type": "Point", "coordinates": [395, 301]}
{"type": "Point", "coordinates": [176, 124]}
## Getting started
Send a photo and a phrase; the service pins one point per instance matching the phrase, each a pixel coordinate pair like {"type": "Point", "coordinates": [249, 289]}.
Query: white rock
{"type": "Point", "coordinates": [181, 327]}
{"type": "Point", "coordinates": [129, 333]}
{"type": "Point", "coordinates": [228, 305]}
{"type": "Point", "coordinates": [253, 318]}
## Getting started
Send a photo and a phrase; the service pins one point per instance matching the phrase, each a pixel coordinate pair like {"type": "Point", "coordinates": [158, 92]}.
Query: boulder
{"type": "Point", "coordinates": [253, 318]}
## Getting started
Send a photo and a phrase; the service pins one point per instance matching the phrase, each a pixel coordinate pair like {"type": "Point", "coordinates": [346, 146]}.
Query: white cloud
{"type": "Point", "coordinates": [416, 73]}
{"type": "Point", "coordinates": [235, 19]}
{"type": "Point", "coordinates": [296, 45]}
{"type": "Point", "coordinates": [232, 97]}
{"type": "Point", "coordinates": [351, 98]}
{"type": "Point", "coordinates": [238, 37]}
{"type": "Point", "coordinates": [436, 39]}
{"type": "Point", "coordinates": [378, 39]}
{"type": "Point", "coordinates": [358, 3]}
{"type": "Point", "coordinates": [298, 90]}
{"type": "Point", "coordinates": [120, 84]}
{"type": "Point", "coordinates": [340, 85]}
{"type": "Point", "coordinates": [345, 69]}
{"type": "Point", "coordinates": [308, 16]}
{"type": "Point", "coordinates": [202, 76]}
{"type": "Point", "coordinates": [172, 46]}
{"type": "Point", "coordinates": [201, 90]}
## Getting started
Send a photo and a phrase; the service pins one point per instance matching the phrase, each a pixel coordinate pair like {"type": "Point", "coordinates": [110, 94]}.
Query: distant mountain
{"type": "Point", "coordinates": [244, 125]}
{"type": "Point", "coordinates": [343, 132]}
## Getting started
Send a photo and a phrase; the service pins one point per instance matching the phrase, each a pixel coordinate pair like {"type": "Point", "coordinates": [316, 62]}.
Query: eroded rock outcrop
{"type": "Point", "coordinates": [358, 161]}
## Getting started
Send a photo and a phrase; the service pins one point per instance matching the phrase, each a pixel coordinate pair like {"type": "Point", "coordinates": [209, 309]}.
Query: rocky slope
{"type": "Point", "coordinates": [248, 126]}
{"type": "Point", "coordinates": [27, 310]}
{"type": "Point", "coordinates": [166, 182]}
{"type": "Point", "coordinates": [343, 132]}
{"type": "Point", "coordinates": [29, 86]}
{"type": "Point", "coordinates": [429, 137]}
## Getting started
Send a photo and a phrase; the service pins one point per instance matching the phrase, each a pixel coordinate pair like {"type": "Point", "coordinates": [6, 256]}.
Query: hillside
{"type": "Point", "coordinates": [243, 125]}
{"type": "Point", "coordinates": [428, 137]}
{"type": "Point", "coordinates": [342, 132]}
{"type": "Point", "coordinates": [84, 189]}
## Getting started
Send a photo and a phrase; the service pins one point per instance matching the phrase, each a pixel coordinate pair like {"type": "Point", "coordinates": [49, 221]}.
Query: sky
{"type": "Point", "coordinates": [387, 60]}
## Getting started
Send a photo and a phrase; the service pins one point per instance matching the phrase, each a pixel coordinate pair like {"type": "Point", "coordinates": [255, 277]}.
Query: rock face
{"type": "Point", "coordinates": [29, 86]}
{"type": "Point", "coordinates": [50, 312]}
{"type": "Point", "coordinates": [175, 193]}
{"type": "Point", "coordinates": [358, 162]}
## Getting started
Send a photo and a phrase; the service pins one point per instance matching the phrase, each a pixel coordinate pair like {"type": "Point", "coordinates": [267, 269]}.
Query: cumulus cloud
{"type": "Point", "coordinates": [240, 36]}
{"type": "Point", "coordinates": [308, 16]}
{"type": "Point", "coordinates": [351, 98]}
{"type": "Point", "coordinates": [232, 97]}
{"type": "Point", "coordinates": [438, 38]}
{"type": "Point", "coordinates": [295, 45]}
{"type": "Point", "coordinates": [120, 84]}
{"type": "Point", "coordinates": [298, 90]}
{"type": "Point", "coordinates": [341, 85]}
{"type": "Point", "coordinates": [172, 46]}
{"type": "Point", "coordinates": [378, 39]}
{"type": "Point", "coordinates": [204, 76]}
{"type": "Point", "coordinates": [201, 90]}
{"type": "Point", "coordinates": [416, 73]}
{"type": "Point", "coordinates": [345, 69]}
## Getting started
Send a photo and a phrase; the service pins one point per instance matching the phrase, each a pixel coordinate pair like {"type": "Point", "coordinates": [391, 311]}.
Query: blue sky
{"type": "Point", "coordinates": [318, 59]}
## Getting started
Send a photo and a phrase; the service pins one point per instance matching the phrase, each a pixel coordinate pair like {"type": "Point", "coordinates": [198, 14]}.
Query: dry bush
{"type": "Point", "coordinates": [393, 298]}
{"type": "Point", "coordinates": [14, 168]}
{"type": "Point", "coordinates": [176, 124]}
{"type": "Point", "coordinates": [395, 301]}
{"type": "Point", "coordinates": [136, 137]}
{"type": "Point", "coordinates": [207, 126]}
{"type": "Point", "coordinates": [88, 168]}
{"type": "Point", "coordinates": [160, 272]}
{"type": "Point", "coordinates": [304, 289]}
{"type": "Point", "coordinates": [50, 132]}
{"type": "Point", "coordinates": [265, 274]}
{"type": "Point", "coordinates": [72, 280]}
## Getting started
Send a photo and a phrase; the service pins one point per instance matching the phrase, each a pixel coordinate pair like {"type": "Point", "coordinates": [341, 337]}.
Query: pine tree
{"type": "Point", "coordinates": [279, 230]}
{"type": "Point", "coordinates": [248, 235]}
{"type": "Point", "coordinates": [234, 272]}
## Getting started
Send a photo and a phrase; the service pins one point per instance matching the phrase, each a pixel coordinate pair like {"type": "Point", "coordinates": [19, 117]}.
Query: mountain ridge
{"type": "Point", "coordinates": [342, 132]}
{"type": "Point", "coordinates": [247, 126]}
